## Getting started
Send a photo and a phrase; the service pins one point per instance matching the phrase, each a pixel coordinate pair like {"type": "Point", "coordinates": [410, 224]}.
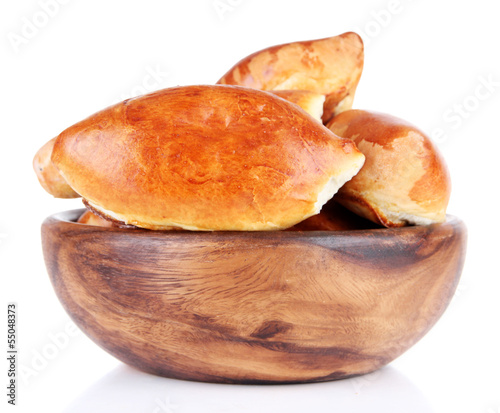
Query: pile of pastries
{"type": "Point", "coordinates": [273, 145]}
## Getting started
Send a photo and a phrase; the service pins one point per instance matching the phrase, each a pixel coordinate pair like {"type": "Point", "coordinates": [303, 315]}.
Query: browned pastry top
{"type": "Point", "coordinates": [405, 178]}
{"type": "Point", "coordinates": [205, 158]}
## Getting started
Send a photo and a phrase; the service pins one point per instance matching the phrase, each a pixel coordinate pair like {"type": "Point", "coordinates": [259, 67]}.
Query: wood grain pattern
{"type": "Point", "coordinates": [254, 307]}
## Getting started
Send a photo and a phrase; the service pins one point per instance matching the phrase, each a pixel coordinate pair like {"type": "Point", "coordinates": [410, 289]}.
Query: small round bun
{"type": "Point", "coordinates": [330, 66]}
{"type": "Point", "coordinates": [404, 180]}
{"type": "Point", "coordinates": [205, 158]}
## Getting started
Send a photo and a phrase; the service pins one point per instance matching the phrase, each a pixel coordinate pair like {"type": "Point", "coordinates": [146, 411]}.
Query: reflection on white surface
{"type": "Point", "coordinates": [127, 390]}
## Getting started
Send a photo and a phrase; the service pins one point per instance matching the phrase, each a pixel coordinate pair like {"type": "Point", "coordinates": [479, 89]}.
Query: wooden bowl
{"type": "Point", "coordinates": [254, 307]}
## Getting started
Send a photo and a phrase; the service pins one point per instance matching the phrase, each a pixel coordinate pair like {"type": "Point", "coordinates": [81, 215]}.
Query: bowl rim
{"type": "Point", "coordinates": [69, 217]}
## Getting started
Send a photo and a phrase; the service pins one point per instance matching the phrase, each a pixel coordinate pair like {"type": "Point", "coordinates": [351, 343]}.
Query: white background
{"type": "Point", "coordinates": [425, 61]}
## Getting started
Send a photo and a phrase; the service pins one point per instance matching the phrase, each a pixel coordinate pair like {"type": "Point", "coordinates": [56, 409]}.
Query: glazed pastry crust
{"type": "Point", "coordinates": [205, 158]}
{"type": "Point", "coordinates": [330, 66]}
{"type": "Point", "coordinates": [404, 180]}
